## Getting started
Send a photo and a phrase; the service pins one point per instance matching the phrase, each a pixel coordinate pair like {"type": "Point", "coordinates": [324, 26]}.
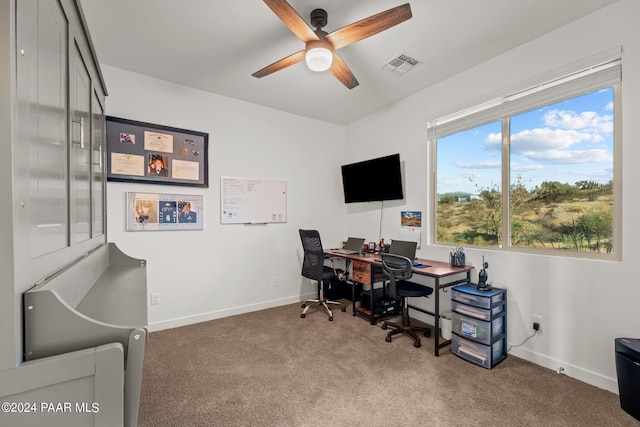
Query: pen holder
{"type": "Point", "coordinates": [457, 260]}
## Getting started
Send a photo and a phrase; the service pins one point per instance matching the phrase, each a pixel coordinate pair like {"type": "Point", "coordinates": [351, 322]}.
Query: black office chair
{"type": "Point", "coordinates": [399, 269]}
{"type": "Point", "coordinates": [313, 268]}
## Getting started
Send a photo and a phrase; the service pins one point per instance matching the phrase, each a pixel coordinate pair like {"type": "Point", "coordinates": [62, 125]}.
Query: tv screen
{"type": "Point", "coordinates": [373, 180]}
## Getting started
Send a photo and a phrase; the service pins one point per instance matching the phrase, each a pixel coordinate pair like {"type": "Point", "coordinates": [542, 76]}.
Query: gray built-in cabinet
{"type": "Point", "coordinates": [59, 145]}
{"type": "Point", "coordinates": [56, 121]}
{"type": "Point", "coordinates": [53, 228]}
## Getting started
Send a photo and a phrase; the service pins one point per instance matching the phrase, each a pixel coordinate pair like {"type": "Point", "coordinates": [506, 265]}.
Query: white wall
{"type": "Point", "coordinates": [229, 269]}
{"type": "Point", "coordinates": [585, 304]}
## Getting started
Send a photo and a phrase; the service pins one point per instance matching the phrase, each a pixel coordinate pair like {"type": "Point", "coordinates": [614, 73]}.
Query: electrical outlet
{"type": "Point", "coordinates": [537, 319]}
{"type": "Point", "coordinates": [155, 299]}
{"type": "Point", "coordinates": [274, 282]}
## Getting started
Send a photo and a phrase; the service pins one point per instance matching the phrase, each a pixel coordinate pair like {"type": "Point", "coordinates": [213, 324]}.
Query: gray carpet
{"type": "Point", "coordinates": [272, 368]}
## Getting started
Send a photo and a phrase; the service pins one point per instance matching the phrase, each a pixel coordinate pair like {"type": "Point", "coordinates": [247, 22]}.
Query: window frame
{"type": "Point", "coordinates": [485, 112]}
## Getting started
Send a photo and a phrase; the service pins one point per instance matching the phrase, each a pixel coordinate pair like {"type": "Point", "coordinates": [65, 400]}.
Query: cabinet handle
{"type": "Point", "coordinates": [99, 162]}
{"type": "Point", "coordinates": [75, 138]}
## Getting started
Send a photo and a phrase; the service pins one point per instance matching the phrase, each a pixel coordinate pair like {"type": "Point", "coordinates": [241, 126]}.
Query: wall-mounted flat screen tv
{"type": "Point", "coordinates": [373, 180]}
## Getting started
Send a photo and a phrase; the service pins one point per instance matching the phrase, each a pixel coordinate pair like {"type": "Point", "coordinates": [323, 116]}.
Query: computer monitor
{"type": "Point", "coordinates": [404, 248]}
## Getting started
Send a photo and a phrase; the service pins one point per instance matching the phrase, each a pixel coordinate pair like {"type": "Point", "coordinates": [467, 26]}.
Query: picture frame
{"type": "Point", "coordinates": [159, 211]}
{"type": "Point", "coordinates": [156, 154]}
{"type": "Point", "coordinates": [411, 219]}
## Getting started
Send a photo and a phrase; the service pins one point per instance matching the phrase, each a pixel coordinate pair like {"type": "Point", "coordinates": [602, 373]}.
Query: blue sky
{"type": "Point", "coordinates": [567, 142]}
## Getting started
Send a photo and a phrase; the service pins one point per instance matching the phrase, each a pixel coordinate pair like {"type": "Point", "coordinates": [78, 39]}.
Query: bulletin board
{"type": "Point", "coordinates": [252, 201]}
{"type": "Point", "coordinates": [156, 154]}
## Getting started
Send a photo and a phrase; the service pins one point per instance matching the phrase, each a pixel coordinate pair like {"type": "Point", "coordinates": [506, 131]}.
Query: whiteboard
{"type": "Point", "coordinates": [252, 201]}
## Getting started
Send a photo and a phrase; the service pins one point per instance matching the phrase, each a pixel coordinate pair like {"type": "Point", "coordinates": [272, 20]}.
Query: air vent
{"type": "Point", "coordinates": [401, 64]}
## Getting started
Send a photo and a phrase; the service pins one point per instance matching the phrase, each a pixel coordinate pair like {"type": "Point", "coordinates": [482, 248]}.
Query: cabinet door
{"type": "Point", "coordinates": [80, 148]}
{"type": "Point", "coordinates": [43, 130]}
{"type": "Point", "coordinates": [54, 175]}
{"type": "Point", "coordinates": [98, 147]}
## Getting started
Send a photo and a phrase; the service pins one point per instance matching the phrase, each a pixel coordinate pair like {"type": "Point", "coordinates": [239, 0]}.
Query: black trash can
{"type": "Point", "coordinates": [628, 370]}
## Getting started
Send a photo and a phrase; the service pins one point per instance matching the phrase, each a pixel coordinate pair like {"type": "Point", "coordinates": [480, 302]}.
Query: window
{"type": "Point", "coordinates": [533, 171]}
{"type": "Point", "coordinates": [469, 187]}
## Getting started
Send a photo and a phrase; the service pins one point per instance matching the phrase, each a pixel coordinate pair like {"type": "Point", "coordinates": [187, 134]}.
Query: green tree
{"type": "Point", "coordinates": [446, 199]}
{"type": "Point", "coordinates": [596, 228]}
{"type": "Point", "coordinates": [554, 191]}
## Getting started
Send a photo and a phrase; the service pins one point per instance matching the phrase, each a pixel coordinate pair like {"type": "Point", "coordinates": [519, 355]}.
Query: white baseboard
{"type": "Point", "coordinates": [205, 317]}
{"type": "Point", "coordinates": [597, 380]}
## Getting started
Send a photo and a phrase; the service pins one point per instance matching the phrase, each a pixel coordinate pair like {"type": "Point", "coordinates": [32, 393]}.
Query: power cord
{"type": "Point", "coordinates": [535, 332]}
{"type": "Point", "coordinates": [380, 229]}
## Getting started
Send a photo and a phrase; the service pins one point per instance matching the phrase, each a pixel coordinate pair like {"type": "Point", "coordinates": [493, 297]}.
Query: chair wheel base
{"type": "Point", "coordinates": [388, 338]}
{"type": "Point", "coordinates": [416, 344]}
{"type": "Point", "coordinates": [331, 319]}
{"type": "Point", "coordinates": [303, 315]}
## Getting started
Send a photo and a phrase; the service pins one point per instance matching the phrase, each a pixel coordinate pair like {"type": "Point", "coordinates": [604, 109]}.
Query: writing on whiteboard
{"type": "Point", "coordinates": [253, 201]}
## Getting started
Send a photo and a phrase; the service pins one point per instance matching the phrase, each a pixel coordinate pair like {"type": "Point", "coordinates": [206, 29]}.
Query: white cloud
{"type": "Point", "coordinates": [470, 175]}
{"type": "Point", "coordinates": [570, 156]}
{"type": "Point", "coordinates": [542, 139]}
{"type": "Point", "coordinates": [446, 182]}
{"type": "Point", "coordinates": [600, 175]}
{"type": "Point", "coordinates": [589, 121]}
{"type": "Point", "coordinates": [486, 164]}
{"type": "Point", "coordinates": [526, 168]}
{"type": "Point", "coordinates": [493, 141]}
{"type": "Point", "coordinates": [561, 140]}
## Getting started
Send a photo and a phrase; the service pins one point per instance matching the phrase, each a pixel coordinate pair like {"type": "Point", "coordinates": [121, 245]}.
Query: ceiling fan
{"type": "Point", "coordinates": [320, 46]}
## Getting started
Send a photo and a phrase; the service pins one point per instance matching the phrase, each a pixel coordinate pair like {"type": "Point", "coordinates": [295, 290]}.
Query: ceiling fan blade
{"type": "Point", "coordinates": [279, 65]}
{"type": "Point", "coordinates": [369, 26]}
{"type": "Point", "coordinates": [341, 72]}
{"type": "Point", "coordinates": [291, 19]}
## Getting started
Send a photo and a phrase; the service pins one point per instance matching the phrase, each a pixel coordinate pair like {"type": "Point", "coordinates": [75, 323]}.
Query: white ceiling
{"type": "Point", "coordinates": [215, 45]}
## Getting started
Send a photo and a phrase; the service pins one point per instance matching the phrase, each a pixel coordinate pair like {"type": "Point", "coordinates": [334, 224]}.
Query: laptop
{"type": "Point", "coordinates": [352, 246]}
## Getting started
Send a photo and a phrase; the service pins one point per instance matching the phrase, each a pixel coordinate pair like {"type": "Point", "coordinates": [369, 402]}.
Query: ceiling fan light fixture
{"type": "Point", "coordinates": [318, 55]}
{"type": "Point", "coordinates": [320, 51]}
